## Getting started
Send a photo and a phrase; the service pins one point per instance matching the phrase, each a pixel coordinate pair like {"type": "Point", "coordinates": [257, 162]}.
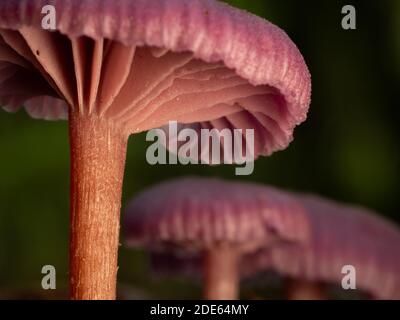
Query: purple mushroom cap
{"type": "Point", "coordinates": [190, 215]}
{"type": "Point", "coordinates": [342, 235]}
{"type": "Point", "coordinates": [199, 62]}
{"type": "Point", "coordinates": [299, 236]}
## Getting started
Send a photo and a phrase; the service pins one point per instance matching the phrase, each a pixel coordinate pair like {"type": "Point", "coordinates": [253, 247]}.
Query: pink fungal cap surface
{"type": "Point", "coordinates": [299, 236]}
{"type": "Point", "coordinates": [189, 215]}
{"type": "Point", "coordinates": [142, 63]}
{"type": "Point", "coordinates": [342, 235]}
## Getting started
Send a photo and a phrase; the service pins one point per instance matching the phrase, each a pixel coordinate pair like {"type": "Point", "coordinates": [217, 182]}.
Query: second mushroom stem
{"type": "Point", "coordinates": [98, 152]}
{"type": "Point", "coordinates": [221, 274]}
{"type": "Point", "coordinates": [304, 290]}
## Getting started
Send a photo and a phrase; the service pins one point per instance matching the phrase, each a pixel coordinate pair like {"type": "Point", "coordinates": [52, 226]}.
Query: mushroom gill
{"type": "Point", "coordinates": [137, 87]}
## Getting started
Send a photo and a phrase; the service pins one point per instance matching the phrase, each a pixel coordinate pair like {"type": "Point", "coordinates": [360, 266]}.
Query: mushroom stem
{"type": "Point", "coordinates": [98, 152]}
{"type": "Point", "coordinates": [221, 276]}
{"type": "Point", "coordinates": [304, 290]}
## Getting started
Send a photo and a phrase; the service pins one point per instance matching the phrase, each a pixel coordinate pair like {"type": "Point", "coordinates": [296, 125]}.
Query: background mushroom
{"type": "Point", "coordinates": [122, 67]}
{"type": "Point", "coordinates": [306, 239]}
{"type": "Point", "coordinates": [299, 289]}
{"type": "Point", "coordinates": [224, 223]}
{"type": "Point", "coordinates": [341, 235]}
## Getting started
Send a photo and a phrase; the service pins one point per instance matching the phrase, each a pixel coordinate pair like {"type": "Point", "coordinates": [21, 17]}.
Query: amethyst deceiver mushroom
{"type": "Point", "coordinates": [341, 235]}
{"type": "Point", "coordinates": [304, 238]}
{"type": "Point", "coordinates": [222, 222]}
{"type": "Point", "coordinates": [119, 67]}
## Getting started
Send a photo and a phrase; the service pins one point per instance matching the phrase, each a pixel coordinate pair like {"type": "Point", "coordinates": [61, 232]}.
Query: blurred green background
{"type": "Point", "coordinates": [346, 150]}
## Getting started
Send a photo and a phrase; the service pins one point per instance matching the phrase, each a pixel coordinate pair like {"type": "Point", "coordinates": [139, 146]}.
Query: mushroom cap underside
{"type": "Point", "coordinates": [144, 63]}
